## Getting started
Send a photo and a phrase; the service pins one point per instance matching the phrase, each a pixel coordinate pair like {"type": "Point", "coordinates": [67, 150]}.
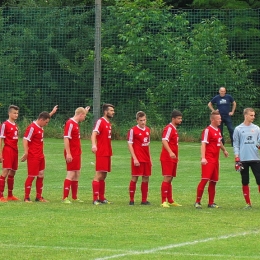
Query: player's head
{"type": "Point", "coordinates": [13, 112]}
{"type": "Point", "coordinates": [249, 114]}
{"type": "Point", "coordinates": [222, 91]}
{"type": "Point", "coordinates": [141, 119]}
{"type": "Point", "coordinates": [80, 113]}
{"type": "Point", "coordinates": [215, 118]}
{"type": "Point", "coordinates": [176, 117]}
{"type": "Point", "coordinates": [43, 118]}
{"type": "Point", "coordinates": [108, 110]}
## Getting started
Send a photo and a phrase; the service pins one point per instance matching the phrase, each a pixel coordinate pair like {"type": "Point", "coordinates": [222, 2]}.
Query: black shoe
{"type": "Point", "coordinates": [131, 203]}
{"type": "Point", "coordinates": [145, 203]}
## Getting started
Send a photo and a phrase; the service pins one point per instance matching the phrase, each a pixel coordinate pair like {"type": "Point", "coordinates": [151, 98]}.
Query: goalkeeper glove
{"type": "Point", "coordinates": [238, 165]}
{"type": "Point", "coordinates": [257, 145]}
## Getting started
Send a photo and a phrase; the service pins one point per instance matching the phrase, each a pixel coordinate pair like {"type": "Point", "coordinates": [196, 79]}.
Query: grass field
{"type": "Point", "coordinates": [119, 231]}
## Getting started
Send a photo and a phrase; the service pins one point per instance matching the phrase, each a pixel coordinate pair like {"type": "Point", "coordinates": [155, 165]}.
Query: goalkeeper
{"type": "Point", "coordinates": [246, 136]}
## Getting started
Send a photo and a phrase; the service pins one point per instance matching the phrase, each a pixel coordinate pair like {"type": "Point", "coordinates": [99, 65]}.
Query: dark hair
{"type": "Point", "coordinates": [13, 107]}
{"type": "Point", "coordinates": [106, 106]}
{"type": "Point", "coordinates": [44, 115]}
{"type": "Point", "coordinates": [140, 114]}
{"type": "Point", "coordinates": [176, 113]}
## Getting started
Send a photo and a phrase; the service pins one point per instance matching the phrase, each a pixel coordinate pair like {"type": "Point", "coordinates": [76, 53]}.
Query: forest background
{"type": "Point", "coordinates": [156, 56]}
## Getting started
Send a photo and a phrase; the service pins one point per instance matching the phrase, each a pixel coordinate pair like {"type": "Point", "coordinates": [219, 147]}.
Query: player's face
{"type": "Point", "coordinates": [222, 92]}
{"type": "Point", "coordinates": [13, 114]}
{"type": "Point", "coordinates": [110, 112]}
{"type": "Point", "coordinates": [141, 121]}
{"type": "Point", "coordinates": [250, 117]}
{"type": "Point", "coordinates": [177, 120]}
{"type": "Point", "coordinates": [44, 122]}
{"type": "Point", "coordinates": [82, 117]}
{"type": "Point", "coordinates": [216, 121]}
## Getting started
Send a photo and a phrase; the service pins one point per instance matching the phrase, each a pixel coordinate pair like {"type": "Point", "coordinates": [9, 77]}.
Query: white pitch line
{"type": "Point", "coordinates": [154, 250]}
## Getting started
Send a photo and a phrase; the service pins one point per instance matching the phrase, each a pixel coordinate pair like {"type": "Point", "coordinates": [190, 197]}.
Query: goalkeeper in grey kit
{"type": "Point", "coordinates": [246, 139]}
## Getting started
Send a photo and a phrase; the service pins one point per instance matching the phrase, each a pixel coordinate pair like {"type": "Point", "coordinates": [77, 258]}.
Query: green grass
{"type": "Point", "coordinates": [119, 231]}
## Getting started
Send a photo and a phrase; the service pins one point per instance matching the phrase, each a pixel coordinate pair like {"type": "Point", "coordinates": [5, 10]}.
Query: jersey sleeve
{"type": "Point", "coordinates": [130, 136]}
{"type": "Point", "coordinates": [29, 133]}
{"type": "Point", "coordinates": [236, 143]}
{"type": "Point", "coordinates": [205, 136]}
{"type": "Point", "coordinates": [2, 131]}
{"type": "Point", "coordinates": [166, 133]}
{"type": "Point", "coordinates": [67, 130]}
{"type": "Point", "coordinates": [97, 126]}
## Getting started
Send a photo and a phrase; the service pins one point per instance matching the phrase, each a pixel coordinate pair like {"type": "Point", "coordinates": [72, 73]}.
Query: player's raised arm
{"type": "Point", "coordinates": [54, 110]}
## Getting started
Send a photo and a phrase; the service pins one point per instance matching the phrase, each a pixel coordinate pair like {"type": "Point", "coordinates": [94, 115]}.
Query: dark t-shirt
{"type": "Point", "coordinates": [223, 103]}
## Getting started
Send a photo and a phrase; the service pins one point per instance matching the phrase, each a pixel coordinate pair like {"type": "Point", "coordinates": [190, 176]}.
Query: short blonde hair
{"type": "Point", "coordinates": [247, 110]}
{"type": "Point", "coordinates": [80, 110]}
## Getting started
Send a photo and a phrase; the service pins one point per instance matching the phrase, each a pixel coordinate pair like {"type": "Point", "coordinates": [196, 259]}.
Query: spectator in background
{"type": "Point", "coordinates": [223, 102]}
{"type": "Point", "coordinates": [141, 163]}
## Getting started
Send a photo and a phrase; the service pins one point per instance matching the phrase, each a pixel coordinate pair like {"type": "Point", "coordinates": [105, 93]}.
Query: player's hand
{"type": "Point", "coordinates": [238, 165]}
{"type": "Point", "coordinates": [172, 155]}
{"type": "Point", "coordinates": [24, 157]}
{"type": "Point", "coordinates": [54, 110]}
{"type": "Point", "coordinates": [136, 162]}
{"type": "Point", "coordinates": [87, 108]}
{"type": "Point", "coordinates": [231, 113]}
{"type": "Point", "coordinates": [1, 158]}
{"type": "Point", "coordinates": [225, 153]}
{"type": "Point", "coordinates": [203, 161]}
{"type": "Point", "coordinates": [94, 149]}
{"type": "Point", "coordinates": [69, 158]}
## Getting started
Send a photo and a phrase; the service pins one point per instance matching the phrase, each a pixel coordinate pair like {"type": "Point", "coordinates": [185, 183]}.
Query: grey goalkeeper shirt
{"type": "Point", "coordinates": [245, 139]}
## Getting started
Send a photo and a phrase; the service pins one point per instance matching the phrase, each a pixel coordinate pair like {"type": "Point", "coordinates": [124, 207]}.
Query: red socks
{"type": "Point", "coordinates": [102, 187]}
{"type": "Point", "coordinates": [200, 189]}
{"type": "Point", "coordinates": [246, 193]}
{"type": "Point", "coordinates": [10, 184]}
{"type": "Point", "coordinates": [144, 190]}
{"type": "Point", "coordinates": [95, 189]}
{"type": "Point", "coordinates": [74, 189]}
{"type": "Point", "coordinates": [39, 186]}
{"type": "Point", "coordinates": [132, 189]}
{"type": "Point", "coordinates": [211, 191]}
{"type": "Point", "coordinates": [2, 186]}
{"type": "Point", "coordinates": [28, 186]}
{"type": "Point", "coordinates": [66, 188]}
{"type": "Point", "coordinates": [164, 191]}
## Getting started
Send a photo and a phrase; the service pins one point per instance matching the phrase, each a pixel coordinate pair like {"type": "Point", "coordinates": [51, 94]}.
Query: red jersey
{"type": "Point", "coordinates": [140, 138]}
{"type": "Point", "coordinates": [72, 132]}
{"type": "Point", "coordinates": [170, 134]}
{"type": "Point", "coordinates": [212, 137]}
{"type": "Point", "coordinates": [103, 129]}
{"type": "Point", "coordinates": [34, 136]}
{"type": "Point", "coordinates": [9, 132]}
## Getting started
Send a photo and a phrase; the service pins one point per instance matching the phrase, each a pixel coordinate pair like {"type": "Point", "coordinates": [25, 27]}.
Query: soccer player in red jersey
{"type": "Point", "coordinates": [9, 153]}
{"type": "Point", "coordinates": [101, 147]}
{"type": "Point", "coordinates": [210, 146]}
{"type": "Point", "coordinates": [33, 153]}
{"type": "Point", "coordinates": [169, 158]}
{"type": "Point", "coordinates": [141, 164]}
{"type": "Point", "coordinates": [72, 154]}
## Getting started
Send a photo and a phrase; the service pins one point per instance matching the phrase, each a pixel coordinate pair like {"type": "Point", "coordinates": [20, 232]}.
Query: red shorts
{"type": "Point", "coordinates": [35, 165]}
{"type": "Point", "coordinates": [169, 168]}
{"type": "Point", "coordinates": [75, 164]}
{"type": "Point", "coordinates": [144, 169]}
{"type": "Point", "coordinates": [210, 171]}
{"type": "Point", "coordinates": [10, 158]}
{"type": "Point", "coordinates": [103, 163]}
